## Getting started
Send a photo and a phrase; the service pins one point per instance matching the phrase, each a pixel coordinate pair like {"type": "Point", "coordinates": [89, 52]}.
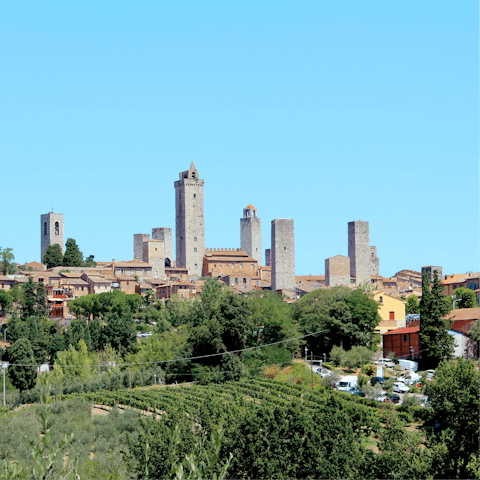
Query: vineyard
{"type": "Point", "coordinates": [192, 399]}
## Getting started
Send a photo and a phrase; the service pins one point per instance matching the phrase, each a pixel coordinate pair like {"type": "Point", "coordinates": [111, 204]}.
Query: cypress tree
{"type": "Point", "coordinates": [41, 301]}
{"type": "Point", "coordinates": [29, 299]}
{"type": "Point", "coordinates": [435, 342]}
{"type": "Point", "coordinates": [73, 256]}
{"type": "Point", "coordinates": [22, 376]}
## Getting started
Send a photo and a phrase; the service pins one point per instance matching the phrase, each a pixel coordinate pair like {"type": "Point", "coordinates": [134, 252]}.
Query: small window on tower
{"type": "Point", "coordinates": [195, 265]}
{"type": "Point", "coordinates": [57, 228]}
{"type": "Point", "coordinates": [194, 239]}
{"type": "Point", "coordinates": [45, 228]}
{"type": "Point", "coordinates": [195, 249]}
{"type": "Point", "coordinates": [284, 248]}
{"type": "Point", "coordinates": [194, 195]}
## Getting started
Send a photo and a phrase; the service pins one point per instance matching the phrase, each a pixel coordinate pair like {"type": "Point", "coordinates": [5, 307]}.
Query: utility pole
{"type": "Point", "coordinates": [130, 387]}
{"type": "Point", "coordinates": [4, 367]}
{"type": "Point", "coordinates": [311, 356]}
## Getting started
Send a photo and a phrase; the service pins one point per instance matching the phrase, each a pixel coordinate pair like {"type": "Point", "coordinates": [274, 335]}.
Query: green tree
{"type": "Point", "coordinates": [29, 299]}
{"type": "Point", "coordinates": [435, 341]}
{"type": "Point", "coordinates": [6, 261]}
{"type": "Point", "coordinates": [41, 302]}
{"type": "Point", "coordinates": [90, 262]}
{"type": "Point", "coordinates": [469, 299]}
{"type": "Point", "coordinates": [413, 305]}
{"type": "Point", "coordinates": [22, 371]}
{"type": "Point", "coordinates": [453, 395]}
{"type": "Point", "coordinates": [73, 256]}
{"type": "Point", "coordinates": [119, 332]}
{"type": "Point", "coordinates": [53, 256]}
{"type": "Point", "coordinates": [5, 301]}
{"type": "Point", "coordinates": [74, 362]}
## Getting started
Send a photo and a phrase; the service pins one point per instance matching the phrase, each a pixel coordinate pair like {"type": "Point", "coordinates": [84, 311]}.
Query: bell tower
{"type": "Point", "coordinates": [51, 232]}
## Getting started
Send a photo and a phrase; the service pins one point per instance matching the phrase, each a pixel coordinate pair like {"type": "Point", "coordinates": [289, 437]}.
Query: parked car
{"type": "Point", "coordinates": [385, 362]}
{"type": "Point", "coordinates": [356, 391]}
{"type": "Point", "coordinates": [410, 379]}
{"type": "Point", "coordinates": [400, 387]}
{"type": "Point", "coordinates": [323, 372]}
{"type": "Point", "coordinates": [375, 380]}
{"type": "Point", "coordinates": [394, 398]}
{"type": "Point", "coordinates": [382, 397]}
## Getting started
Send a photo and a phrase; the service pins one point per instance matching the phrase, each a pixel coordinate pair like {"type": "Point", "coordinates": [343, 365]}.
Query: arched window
{"type": "Point", "coordinates": [194, 195]}
{"type": "Point", "coordinates": [244, 280]}
{"type": "Point", "coordinates": [251, 266]}
{"type": "Point", "coordinates": [233, 266]}
{"type": "Point", "coordinates": [241, 266]}
{"type": "Point", "coordinates": [194, 239]}
{"type": "Point", "coordinates": [57, 228]}
{"type": "Point", "coordinates": [195, 249]}
{"type": "Point", "coordinates": [193, 174]}
{"type": "Point", "coordinates": [236, 280]}
{"type": "Point", "coordinates": [45, 228]}
{"type": "Point", "coordinates": [195, 266]}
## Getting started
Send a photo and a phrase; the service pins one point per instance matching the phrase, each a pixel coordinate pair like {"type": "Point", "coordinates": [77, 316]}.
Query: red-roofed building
{"type": "Point", "coordinates": [403, 342]}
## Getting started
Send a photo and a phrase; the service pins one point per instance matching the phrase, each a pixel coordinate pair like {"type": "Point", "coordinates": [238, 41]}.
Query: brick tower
{"type": "Point", "coordinates": [51, 232]}
{"type": "Point", "coordinates": [359, 251]}
{"type": "Point", "coordinates": [282, 254]}
{"type": "Point", "coordinates": [251, 233]}
{"type": "Point", "coordinates": [189, 221]}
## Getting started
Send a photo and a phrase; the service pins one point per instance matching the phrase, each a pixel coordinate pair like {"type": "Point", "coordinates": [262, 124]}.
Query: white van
{"type": "Point", "coordinates": [408, 365]}
{"type": "Point", "coordinates": [347, 382]}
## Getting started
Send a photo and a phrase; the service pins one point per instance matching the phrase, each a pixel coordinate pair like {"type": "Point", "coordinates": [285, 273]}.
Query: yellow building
{"type": "Point", "coordinates": [392, 312]}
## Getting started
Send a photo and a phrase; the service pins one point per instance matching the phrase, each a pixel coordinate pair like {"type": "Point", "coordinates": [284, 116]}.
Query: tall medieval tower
{"type": "Point", "coordinates": [359, 251]}
{"type": "Point", "coordinates": [283, 254]}
{"type": "Point", "coordinates": [51, 232]}
{"type": "Point", "coordinates": [189, 221]}
{"type": "Point", "coordinates": [251, 233]}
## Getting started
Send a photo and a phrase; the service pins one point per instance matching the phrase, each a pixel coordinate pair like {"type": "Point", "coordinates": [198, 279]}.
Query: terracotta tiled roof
{"type": "Point", "coordinates": [309, 278]}
{"type": "Point", "coordinates": [70, 275]}
{"type": "Point", "coordinates": [250, 206]}
{"type": "Point", "coordinates": [459, 278]}
{"type": "Point", "coordinates": [464, 314]}
{"type": "Point", "coordinates": [225, 252]}
{"type": "Point", "coordinates": [133, 264]}
{"type": "Point", "coordinates": [462, 326]}
{"type": "Point", "coordinates": [97, 279]}
{"type": "Point", "coordinates": [74, 281]}
{"type": "Point", "coordinates": [402, 330]}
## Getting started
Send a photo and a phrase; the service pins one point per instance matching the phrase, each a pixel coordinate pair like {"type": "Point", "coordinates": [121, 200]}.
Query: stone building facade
{"type": "Point", "coordinates": [165, 235]}
{"type": "Point", "coordinates": [189, 221]}
{"type": "Point", "coordinates": [337, 271]}
{"type": "Point", "coordinates": [51, 232]}
{"type": "Point", "coordinates": [218, 262]}
{"type": "Point", "coordinates": [154, 255]}
{"type": "Point", "coordinates": [268, 261]}
{"type": "Point", "coordinates": [430, 269]}
{"type": "Point", "coordinates": [251, 233]}
{"type": "Point", "coordinates": [138, 239]}
{"type": "Point", "coordinates": [283, 254]}
{"type": "Point", "coordinates": [359, 251]}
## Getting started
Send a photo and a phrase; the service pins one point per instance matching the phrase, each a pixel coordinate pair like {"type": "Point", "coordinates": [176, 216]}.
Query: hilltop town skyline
{"type": "Point", "coordinates": [322, 114]}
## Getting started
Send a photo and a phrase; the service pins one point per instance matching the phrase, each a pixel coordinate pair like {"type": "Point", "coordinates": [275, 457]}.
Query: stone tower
{"type": "Point", "coordinates": [138, 239]}
{"type": "Point", "coordinates": [165, 235]}
{"type": "Point", "coordinates": [189, 221]}
{"type": "Point", "coordinates": [359, 251]}
{"type": "Point", "coordinates": [51, 232]}
{"type": "Point", "coordinates": [337, 271]}
{"type": "Point", "coordinates": [282, 254]}
{"type": "Point", "coordinates": [374, 261]}
{"type": "Point", "coordinates": [154, 255]}
{"type": "Point", "coordinates": [268, 262]}
{"type": "Point", "coordinates": [251, 233]}
{"type": "Point", "coordinates": [430, 269]}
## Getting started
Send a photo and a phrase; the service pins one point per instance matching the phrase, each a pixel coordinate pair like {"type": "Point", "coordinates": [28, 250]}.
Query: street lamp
{"type": "Point", "coordinates": [454, 301]}
{"type": "Point", "coordinates": [5, 339]}
{"type": "Point", "coordinates": [306, 350]}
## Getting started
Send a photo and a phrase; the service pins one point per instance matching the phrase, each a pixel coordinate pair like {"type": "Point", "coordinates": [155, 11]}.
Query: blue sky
{"type": "Point", "coordinates": [324, 112]}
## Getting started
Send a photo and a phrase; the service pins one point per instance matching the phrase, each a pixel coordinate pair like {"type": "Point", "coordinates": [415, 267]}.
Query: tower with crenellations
{"type": "Point", "coordinates": [189, 221]}
{"type": "Point", "coordinates": [51, 232]}
{"type": "Point", "coordinates": [251, 233]}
